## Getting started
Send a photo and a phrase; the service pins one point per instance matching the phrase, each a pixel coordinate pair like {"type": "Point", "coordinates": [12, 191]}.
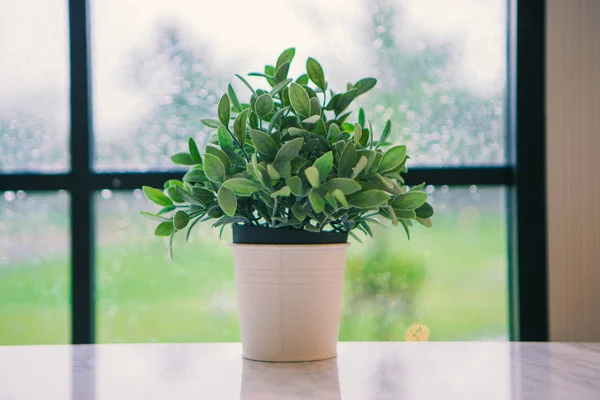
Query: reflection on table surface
{"type": "Point", "coordinates": [381, 370]}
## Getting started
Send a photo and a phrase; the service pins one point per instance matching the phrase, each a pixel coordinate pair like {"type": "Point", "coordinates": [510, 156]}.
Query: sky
{"type": "Point", "coordinates": [239, 35]}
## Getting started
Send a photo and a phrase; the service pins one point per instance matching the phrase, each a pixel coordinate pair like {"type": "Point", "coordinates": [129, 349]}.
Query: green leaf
{"type": "Point", "coordinates": [404, 214]}
{"type": "Point", "coordinates": [315, 73]}
{"type": "Point", "coordinates": [364, 137]}
{"type": "Point", "coordinates": [302, 79]}
{"type": "Point", "coordinates": [194, 152]}
{"type": "Point", "coordinates": [276, 118]}
{"type": "Point", "coordinates": [153, 217]}
{"type": "Point", "coordinates": [183, 159]}
{"type": "Point", "coordinates": [426, 222]}
{"type": "Point", "coordinates": [334, 131]}
{"type": "Point", "coordinates": [316, 201]}
{"type": "Point", "coordinates": [195, 175]}
{"type": "Point", "coordinates": [173, 195]}
{"type": "Point", "coordinates": [237, 107]}
{"type": "Point", "coordinates": [189, 231]}
{"type": "Point", "coordinates": [369, 199]}
{"type": "Point", "coordinates": [299, 99]}
{"type": "Point", "coordinates": [230, 220]}
{"type": "Point", "coordinates": [312, 174]}
{"type": "Point", "coordinates": [283, 192]}
{"type": "Point", "coordinates": [387, 183]}
{"type": "Point", "coordinates": [298, 163]}
{"type": "Point", "coordinates": [341, 120]}
{"type": "Point", "coordinates": [366, 228]}
{"type": "Point", "coordinates": [214, 168]}
{"type": "Point", "coordinates": [203, 194]}
{"type": "Point", "coordinates": [299, 212]}
{"type": "Point", "coordinates": [164, 229]}
{"type": "Point", "coordinates": [357, 132]}
{"type": "Point", "coordinates": [344, 101]}
{"type": "Point", "coordinates": [361, 117]}
{"type": "Point", "coordinates": [324, 165]}
{"type": "Point", "coordinates": [360, 166]}
{"type": "Point", "coordinates": [297, 131]}
{"type": "Point", "coordinates": [156, 196]}
{"type": "Point", "coordinates": [215, 212]}
{"type": "Point", "coordinates": [260, 74]}
{"type": "Point", "coordinates": [311, 120]}
{"type": "Point", "coordinates": [273, 173]}
{"type": "Point", "coordinates": [285, 97]}
{"type": "Point", "coordinates": [221, 155]}
{"type": "Point", "coordinates": [345, 185]}
{"type": "Point", "coordinates": [282, 72]}
{"type": "Point", "coordinates": [263, 176]}
{"type": "Point", "coordinates": [311, 93]}
{"type": "Point", "coordinates": [180, 220]}
{"type": "Point", "coordinates": [286, 56]}
{"type": "Point", "coordinates": [311, 228]}
{"type": "Point", "coordinates": [417, 188]}
{"type": "Point", "coordinates": [406, 228]}
{"type": "Point", "coordinates": [264, 143]}
{"type": "Point", "coordinates": [425, 211]}
{"type": "Point", "coordinates": [333, 102]}
{"type": "Point", "coordinates": [270, 70]}
{"type": "Point", "coordinates": [295, 184]}
{"type": "Point", "coordinates": [389, 212]}
{"type": "Point", "coordinates": [409, 201]}
{"type": "Point", "coordinates": [242, 186]}
{"type": "Point", "coordinates": [264, 105]}
{"type": "Point", "coordinates": [392, 158]}
{"type": "Point", "coordinates": [211, 123]}
{"type": "Point", "coordinates": [386, 132]}
{"type": "Point", "coordinates": [339, 195]}
{"type": "Point", "coordinates": [225, 139]}
{"type": "Point", "coordinates": [347, 160]}
{"type": "Point", "coordinates": [173, 182]}
{"type": "Point", "coordinates": [227, 201]}
{"type": "Point", "coordinates": [165, 210]}
{"type": "Point", "coordinates": [239, 126]}
{"type": "Point", "coordinates": [364, 85]}
{"type": "Point", "coordinates": [245, 82]}
{"type": "Point", "coordinates": [329, 198]}
{"type": "Point", "coordinates": [284, 169]}
{"type": "Point", "coordinates": [288, 151]}
{"type": "Point", "coordinates": [224, 110]}
{"type": "Point", "coordinates": [279, 87]}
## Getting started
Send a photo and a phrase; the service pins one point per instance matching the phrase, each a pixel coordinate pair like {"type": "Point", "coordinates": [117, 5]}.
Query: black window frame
{"type": "Point", "coordinates": [524, 174]}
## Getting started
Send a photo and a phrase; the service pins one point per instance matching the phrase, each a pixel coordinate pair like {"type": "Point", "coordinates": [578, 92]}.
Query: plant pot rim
{"type": "Point", "coordinates": [255, 235]}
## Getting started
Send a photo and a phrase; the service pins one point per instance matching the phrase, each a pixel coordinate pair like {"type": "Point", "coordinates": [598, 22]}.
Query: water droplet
{"type": "Point", "coordinates": [9, 195]}
{"type": "Point", "coordinates": [106, 194]}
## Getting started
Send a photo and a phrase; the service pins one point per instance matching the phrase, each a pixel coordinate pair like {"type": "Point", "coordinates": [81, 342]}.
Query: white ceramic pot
{"type": "Point", "coordinates": [290, 299]}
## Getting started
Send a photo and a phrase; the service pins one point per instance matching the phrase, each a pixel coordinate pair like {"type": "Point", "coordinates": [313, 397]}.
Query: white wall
{"type": "Point", "coordinates": [573, 153]}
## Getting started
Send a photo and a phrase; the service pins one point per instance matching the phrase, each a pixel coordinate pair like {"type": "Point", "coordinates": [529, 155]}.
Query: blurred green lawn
{"type": "Point", "coordinates": [143, 297]}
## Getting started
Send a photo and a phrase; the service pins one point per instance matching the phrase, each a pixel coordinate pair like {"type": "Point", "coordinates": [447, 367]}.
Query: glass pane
{"type": "Point", "coordinates": [34, 99]}
{"type": "Point", "coordinates": [452, 278]}
{"type": "Point", "coordinates": [34, 268]}
{"type": "Point", "coordinates": [441, 67]}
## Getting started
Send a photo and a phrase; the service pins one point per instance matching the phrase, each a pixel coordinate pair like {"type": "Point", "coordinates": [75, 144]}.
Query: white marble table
{"type": "Point", "coordinates": [364, 371]}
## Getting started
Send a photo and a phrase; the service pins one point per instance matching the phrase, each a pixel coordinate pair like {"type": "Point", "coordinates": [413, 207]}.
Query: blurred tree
{"type": "Point", "coordinates": [444, 124]}
{"type": "Point", "coordinates": [188, 93]}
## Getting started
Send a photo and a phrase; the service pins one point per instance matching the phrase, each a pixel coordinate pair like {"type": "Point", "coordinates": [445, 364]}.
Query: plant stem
{"type": "Point", "coordinates": [239, 144]}
{"type": "Point", "coordinates": [275, 204]}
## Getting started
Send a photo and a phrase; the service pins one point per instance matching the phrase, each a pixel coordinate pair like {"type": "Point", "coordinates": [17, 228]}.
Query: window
{"type": "Point", "coordinates": [154, 74]}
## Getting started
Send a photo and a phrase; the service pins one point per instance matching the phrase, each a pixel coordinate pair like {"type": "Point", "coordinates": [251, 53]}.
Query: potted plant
{"type": "Point", "coordinates": [294, 178]}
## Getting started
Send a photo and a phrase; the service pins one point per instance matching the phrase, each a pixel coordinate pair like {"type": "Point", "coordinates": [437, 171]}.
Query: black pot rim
{"type": "Point", "coordinates": [259, 235]}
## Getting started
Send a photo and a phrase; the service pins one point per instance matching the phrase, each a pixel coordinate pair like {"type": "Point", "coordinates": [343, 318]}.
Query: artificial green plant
{"type": "Point", "coordinates": [289, 159]}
